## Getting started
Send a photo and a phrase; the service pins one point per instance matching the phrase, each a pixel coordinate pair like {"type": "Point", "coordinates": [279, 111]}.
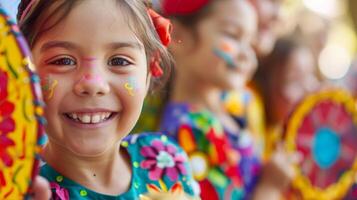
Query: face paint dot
{"type": "Point", "coordinates": [164, 138]}
{"type": "Point", "coordinates": [226, 47]}
{"type": "Point", "coordinates": [125, 144]}
{"type": "Point", "coordinates": [83, 193]}
{"type": "Point", "coordinates": [59, 179]}
{"type": "Point", "coordinates": [136, 164]}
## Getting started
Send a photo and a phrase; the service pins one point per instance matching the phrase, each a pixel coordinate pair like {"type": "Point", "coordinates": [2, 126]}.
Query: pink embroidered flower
{"type": "Point", "coordinates": [161, 159]}
{"type": "Point", "coordinates": [60, 193]}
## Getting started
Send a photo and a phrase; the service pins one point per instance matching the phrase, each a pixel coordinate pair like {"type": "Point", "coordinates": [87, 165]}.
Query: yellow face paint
{"type": "Point", "coordinates": [48, 86]}
{"type": "Point", "coordinates": [129, 88]}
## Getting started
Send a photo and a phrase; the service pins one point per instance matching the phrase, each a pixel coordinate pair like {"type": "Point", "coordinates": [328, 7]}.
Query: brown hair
{"type": "Point", "coordinates": [272, 66]}
{"type": "Point", "coordinates": [37, 22]}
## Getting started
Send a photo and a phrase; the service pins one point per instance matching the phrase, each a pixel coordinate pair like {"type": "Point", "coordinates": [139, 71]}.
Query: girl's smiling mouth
{"type": "Point", "coordinates": [90, 116]}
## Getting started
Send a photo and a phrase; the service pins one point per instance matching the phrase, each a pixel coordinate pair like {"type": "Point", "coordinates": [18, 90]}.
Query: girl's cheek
{"type": "Point", "coordinates": [133, 86]}
{"type": "Point", "coordinates": [48, 86]}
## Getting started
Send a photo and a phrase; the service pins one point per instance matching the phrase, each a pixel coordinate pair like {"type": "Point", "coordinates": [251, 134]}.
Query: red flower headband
{"type": "Point", "coordinates": [182, 7]}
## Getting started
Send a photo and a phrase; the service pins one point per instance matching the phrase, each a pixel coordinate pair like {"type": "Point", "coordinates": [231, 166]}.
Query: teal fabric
{"type": "Point", "coordinates": [155, 158]}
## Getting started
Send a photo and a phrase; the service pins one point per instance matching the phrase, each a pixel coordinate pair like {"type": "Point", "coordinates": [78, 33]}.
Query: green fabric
{"type": "Point", "coordinates": [138, 147]}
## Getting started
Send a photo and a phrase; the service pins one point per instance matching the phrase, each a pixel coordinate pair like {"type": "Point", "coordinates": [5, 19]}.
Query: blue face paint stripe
{"type": "Point", "coordinates": [226, 57]}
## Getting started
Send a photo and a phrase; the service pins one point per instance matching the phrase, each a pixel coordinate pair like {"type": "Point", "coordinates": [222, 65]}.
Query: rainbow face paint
{"type": "Point", "coordinates": [48, 86]}
{"type": "Point", "coordinates": [131, 86]}
{"type": "Point", "coordinates": [224, 51]}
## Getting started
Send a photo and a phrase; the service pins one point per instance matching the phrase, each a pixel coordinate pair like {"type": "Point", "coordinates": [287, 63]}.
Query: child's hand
{"type": "Point", "coordinates": [277, 175]}
{"type": "Point", "coordinates": [41, 189]}
{"type": "Point", "coordinates": [278, 172]}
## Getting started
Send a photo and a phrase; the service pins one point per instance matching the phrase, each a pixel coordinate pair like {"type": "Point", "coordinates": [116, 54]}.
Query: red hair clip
{"type": "Point", "coordinates": [162, 25]}
{"type": "Point", "coordinates": [163, 28]}
{"type": "Point", "coordinates": [155, 68]}
{"type": "Point", "coordinates": [182, 7]}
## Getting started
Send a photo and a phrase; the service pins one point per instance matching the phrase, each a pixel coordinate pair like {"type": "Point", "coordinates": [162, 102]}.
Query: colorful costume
{"type": "Point", "coordinates": [156, 161]}
{"type": "Point", "coordinates": [223, 162]}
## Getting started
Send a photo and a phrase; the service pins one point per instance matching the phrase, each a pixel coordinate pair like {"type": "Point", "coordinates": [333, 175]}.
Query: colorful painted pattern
{"type": "Point", "coordinates": [223, 163]}
{"type": "Point", "coordinates": [21, 130]}
{"type": "Point", "coordinates": [157, 162]}
{"type": "Point", "coordinates": [323, 128]}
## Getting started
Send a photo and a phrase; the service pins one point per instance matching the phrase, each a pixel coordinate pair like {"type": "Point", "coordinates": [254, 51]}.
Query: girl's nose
{"type": "Point", "coordinates": [91, 85]}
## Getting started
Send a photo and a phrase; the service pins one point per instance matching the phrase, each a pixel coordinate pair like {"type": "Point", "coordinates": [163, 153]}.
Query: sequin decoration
{"type": "Point", "coordinates": [21, 131]}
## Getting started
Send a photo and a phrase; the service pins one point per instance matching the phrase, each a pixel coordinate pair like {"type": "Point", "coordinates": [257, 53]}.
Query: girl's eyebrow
{"type": "Point", "coordinates": [120, 45]}
{"type": "Point", "coordinates": [72, 46]}
{"type": "Point", "coordinates": [58, 44]}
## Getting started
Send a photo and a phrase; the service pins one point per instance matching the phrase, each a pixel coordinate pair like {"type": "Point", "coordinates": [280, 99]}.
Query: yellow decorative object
{"type": "Point", "coordinates": [323, 128]}
{"type": "Point", "coordinates": [21, 120]}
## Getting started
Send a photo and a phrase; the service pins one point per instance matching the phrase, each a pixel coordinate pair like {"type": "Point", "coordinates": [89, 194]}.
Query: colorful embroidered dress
{"type": "Point", "coordinates": [223, 163]}
{"type": "Point", "coordinates": [156, 161]}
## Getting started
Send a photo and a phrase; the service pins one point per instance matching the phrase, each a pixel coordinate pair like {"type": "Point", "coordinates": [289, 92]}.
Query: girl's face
{"type": "Point", "coordinates": [216, 30]}
{"type": "Point", "coordinates": [94, 77]}
{"type": "Point", "coordinates": [297, 80]}
{"type": "Point", "coordinates": [268, 16]}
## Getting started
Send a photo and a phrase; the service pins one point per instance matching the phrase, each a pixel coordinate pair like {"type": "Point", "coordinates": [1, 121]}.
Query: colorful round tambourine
{"type": "Point", "coordinates": [21, 119]}
{"type": "Point", "coordinates": [323, 129]}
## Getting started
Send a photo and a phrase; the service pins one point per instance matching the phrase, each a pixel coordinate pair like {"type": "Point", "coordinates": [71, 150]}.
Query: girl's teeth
{"type": "Point", "coordinates": [106, 115]}
{"type": "Point", "coordinates": [90, 118]}
{"type": "Point", "coordinates": [95, 119]}
{"type": "Point", "coordinates": [102, 117]}
{"type": "Point", "coordinates": [85, 119]}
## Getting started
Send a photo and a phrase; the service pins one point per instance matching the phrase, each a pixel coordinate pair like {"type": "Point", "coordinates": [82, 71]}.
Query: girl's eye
{"type": "Point", "coordinates": [230, 34]}
{"type": "Point", "coordinates": [63, 61]}
{"type": "Point", "coordinates": [118, 61]}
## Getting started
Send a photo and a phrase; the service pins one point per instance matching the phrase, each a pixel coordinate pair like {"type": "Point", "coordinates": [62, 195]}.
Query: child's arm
{"type": "Point", "coordinates": [276, 177]}
{"type": "Point", "coordinates": [41, 189]}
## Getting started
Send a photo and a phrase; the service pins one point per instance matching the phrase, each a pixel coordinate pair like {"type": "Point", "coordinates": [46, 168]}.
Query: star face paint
{"type": "Point", "coordinates": [48, 85]}
{"type": "Point", "coordinates": [225, 51]}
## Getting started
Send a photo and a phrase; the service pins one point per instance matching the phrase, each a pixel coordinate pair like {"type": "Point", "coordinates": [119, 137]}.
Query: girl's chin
{"type": "Point", "coordinates": [92, 150]}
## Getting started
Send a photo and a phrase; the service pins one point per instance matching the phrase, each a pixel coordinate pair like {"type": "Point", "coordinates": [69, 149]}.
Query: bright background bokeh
{"type": "Point", "coordinates": [10, 6]}
{"type": "Point", "coordinates": [327, 26]}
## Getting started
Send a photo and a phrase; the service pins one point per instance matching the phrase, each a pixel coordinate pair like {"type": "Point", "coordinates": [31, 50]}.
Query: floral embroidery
{"type": "Point", "coordinates": [175, 192]}
{"type": "Point", "coordinates": [161, 159]}
{"type": "Point", "coordinates": [7, 124]}
{"type": "Point", "coordinates": [60, 193]}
